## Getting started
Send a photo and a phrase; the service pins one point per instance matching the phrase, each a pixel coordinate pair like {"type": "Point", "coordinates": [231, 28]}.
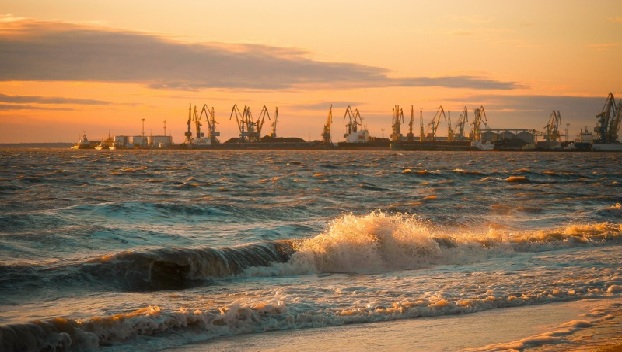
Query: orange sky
{"type": "Point", "coordinates": [102, 66]}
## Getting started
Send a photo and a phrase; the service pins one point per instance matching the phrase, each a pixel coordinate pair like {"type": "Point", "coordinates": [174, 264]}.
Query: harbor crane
{"type": "Point", "coordinates": [422, 130]}
{"type": "Point", "coordinates": [397, 114]}
{"type": "Point", "coordinates": [552, 128]}
{"type": "Point", "coordinates": [410, 136]}
{"type": "Point", "coordinates": [326, 131]}
{"type": "Point", "coordinates": [276, 117]}
{"type": "Point", "coordinates": [259, 123]}
{"type": "Point", "coordinates": [479, 117]}
{"type": "Point", "coordinates": [240, 118]}
{"type": "Point", "coordinates": [609, 121]}
{"type": "Point", "coordinates": [210, 117]}
{"type": "Point", "coordinates": [188, 133]}
{"type": "Point", "coordinates": [436, 120]}
{"type": "Point", "coordinates": [250, 130]}
{"type": "Point", "coordinates": [450, 130]}
{"type": "Point", "coordinates": [197, 121]}
{"type": "Point", "coordinates": [355, 120]}
{"type": "Point", "coordinates": [464, 119]}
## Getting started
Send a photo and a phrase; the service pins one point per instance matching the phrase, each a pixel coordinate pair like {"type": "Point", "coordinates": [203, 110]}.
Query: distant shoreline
{"type": "Point", "coordinates": [36, 145]}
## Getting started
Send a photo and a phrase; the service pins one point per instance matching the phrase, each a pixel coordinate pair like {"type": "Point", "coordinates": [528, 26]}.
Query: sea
{"type": "Point", "coordinates": [153, 250]}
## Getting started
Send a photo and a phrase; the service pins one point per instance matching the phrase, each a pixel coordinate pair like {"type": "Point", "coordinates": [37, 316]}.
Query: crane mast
{"type": "Point", "coordinates": [609, 121]}
{"type": "Point", "coordinates": [410, 136]}
{"type": "Point", "coordinates": [188, 133]}
{"type": "Point", "coordinates": [210, 117]}
{"type": "Point", "coordinates": [479, 117]}
{"type": "Point", "coordinates": [240, 120]}
{"type": "Point", "coordinates": [462, 122]}
{"type": "Point", "coordinates": [259, 123]}
{"type": "Point", "coordinates": [326, 131]}
{"type": "Point", "coordinates": [422, 131]}
{"type": "Point", "coordinates": [552, 128]}
{"type": "Point", "coordinates": [276, 117]}
{"type": "Point", "coordinates": [397, 114]}
{"type": "Point", "coordinates": [354, 121]}
{"type": "Point", "coordinates": [197, 122]}
{"type": "Point", "coordinates": [450, 130]}
{"type": "Point", "coordinates": [436, 120]}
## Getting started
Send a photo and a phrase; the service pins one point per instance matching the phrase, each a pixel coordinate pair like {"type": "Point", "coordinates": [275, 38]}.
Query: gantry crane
{"type": "Point", "coordinates": [436, 120]}
{"type": "Point", "coordinates": [410, 136]}
{"type": "Point", "coordinates": [326, 131]}
{"type": "Point", "coordinates": [479, 117]}
{"type": "Point", "coordinates": [276, 117]}
{"type": "Point", "coordinates": [188, 133]}
{"type": "Point", "coordinates": [422, 130]}
{"type": "Point", "coordinates": [552, 128]}
{"type": "Point", "coordinates": [450, 130]}
{"type": "Point", "coordinates": [608, 121]}
{"type": "Point", "coordinates": [464, 119]}
{"type": "Point", "coordinates": [197, 121]}
{"type": "Point", "coordinates": [240, 119]}
{"type": "Point", "coordinates": [398, 116]}
{"type": "Point", "coordinates": [354, 121]}
{"type": "Point", "coordinates": [210, 117]}
{"type": "Point", "coordinates": [259, 123]}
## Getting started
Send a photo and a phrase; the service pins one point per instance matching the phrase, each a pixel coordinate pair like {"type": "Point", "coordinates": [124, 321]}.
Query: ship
{"type": "Point", "coordinates": [357, 136]}
{"type": "Point", "coordinates": [84, 143]}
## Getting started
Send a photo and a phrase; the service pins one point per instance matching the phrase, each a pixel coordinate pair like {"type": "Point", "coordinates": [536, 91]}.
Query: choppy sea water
{"type": "Point", "coordinates": [149, 250]}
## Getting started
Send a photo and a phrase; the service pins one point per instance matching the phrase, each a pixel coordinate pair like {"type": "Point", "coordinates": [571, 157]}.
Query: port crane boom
{"type": "Point", "coordinates": [326, 131]}
{"type": "Point", "coordinates": [464, 119]}
{"type": "Point", "coordinates": [210, 117]}
{"type": "Point", "coordinates": [259, 123]}
{"type": "Point", "coordinates": [479, 117]}
{"type": "Point", "coordinates": [609, 121]}
{"type": "Point", "coordinates": [552, 128]}
{"type": "Point", "coordinates": [239, 119]}
{"type": "Point", "coordinates": [410, 136]}
{"type": "Point", "coordinates": [436, 120]}
{"type": "Point", "coordinates": [398, 116]}
{"type": "Point", "coordinates": [276, 117]}
{"type": "Point", "coordinates": [355, 120]}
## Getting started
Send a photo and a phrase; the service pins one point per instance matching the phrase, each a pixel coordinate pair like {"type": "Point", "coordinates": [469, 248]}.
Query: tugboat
{"type": "Point", "coordinates": [84, 143]}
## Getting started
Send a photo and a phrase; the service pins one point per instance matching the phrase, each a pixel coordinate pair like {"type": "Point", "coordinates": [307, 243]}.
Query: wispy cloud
{"type": "Point", "coordinates": [48, 100]}
{"type": "Point", "coordinates": [11, 107]}
{"type": "Point", "coordinates": [51, 51]}
{"type": "Point", "coordinates": [603, 46]}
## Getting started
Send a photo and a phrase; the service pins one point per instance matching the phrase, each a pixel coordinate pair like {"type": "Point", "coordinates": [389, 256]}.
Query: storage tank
{"type": "Point", "coordinates": [526, 137]}
{"type": "Point", "coordinates": [139, 141]}
{"type": "Point", "coordinates": [121, 141]}
{"type": "Point", "coordinates": [489, 136]}
{"type": "Point", "coordinates": [506, 135]}
{"type": "Point", "coordinates": [160, 141]}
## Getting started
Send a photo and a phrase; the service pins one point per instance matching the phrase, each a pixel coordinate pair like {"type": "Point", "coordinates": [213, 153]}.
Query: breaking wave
{"type": "Point", "coordinates": [380, 242]}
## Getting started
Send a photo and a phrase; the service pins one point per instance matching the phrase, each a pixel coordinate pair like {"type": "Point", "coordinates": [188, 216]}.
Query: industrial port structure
{"type": "Point", "coordinates": [480, 137]}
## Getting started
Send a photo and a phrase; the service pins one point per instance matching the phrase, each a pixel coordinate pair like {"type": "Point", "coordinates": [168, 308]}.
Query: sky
{"type": "Point", "coordinates": [102, 66]}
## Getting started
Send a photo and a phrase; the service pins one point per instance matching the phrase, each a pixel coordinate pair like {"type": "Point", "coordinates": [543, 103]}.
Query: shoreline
{"type": "Point", "coordinates": [585, 325]}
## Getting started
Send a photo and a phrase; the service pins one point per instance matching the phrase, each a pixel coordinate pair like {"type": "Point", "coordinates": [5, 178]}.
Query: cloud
{"type": "Point", "coordinates": [603, 46]}
{"type": "Point", "coordinates": [23, 99]}
{"type": "Point", "coordinates": [12, 107]}
{"type": "Point", "coordinates": [52, 51]}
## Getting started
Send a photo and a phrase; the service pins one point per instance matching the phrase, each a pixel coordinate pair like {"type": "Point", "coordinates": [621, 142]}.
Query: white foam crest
{"type": "Point", "coordinates": [372, 243]}
{"type": "Point", "coordinates": [380, 242]}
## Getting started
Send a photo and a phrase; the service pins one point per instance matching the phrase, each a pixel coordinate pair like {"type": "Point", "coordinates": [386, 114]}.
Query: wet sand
{"type": "Point", "coordinates": [586, 325]}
